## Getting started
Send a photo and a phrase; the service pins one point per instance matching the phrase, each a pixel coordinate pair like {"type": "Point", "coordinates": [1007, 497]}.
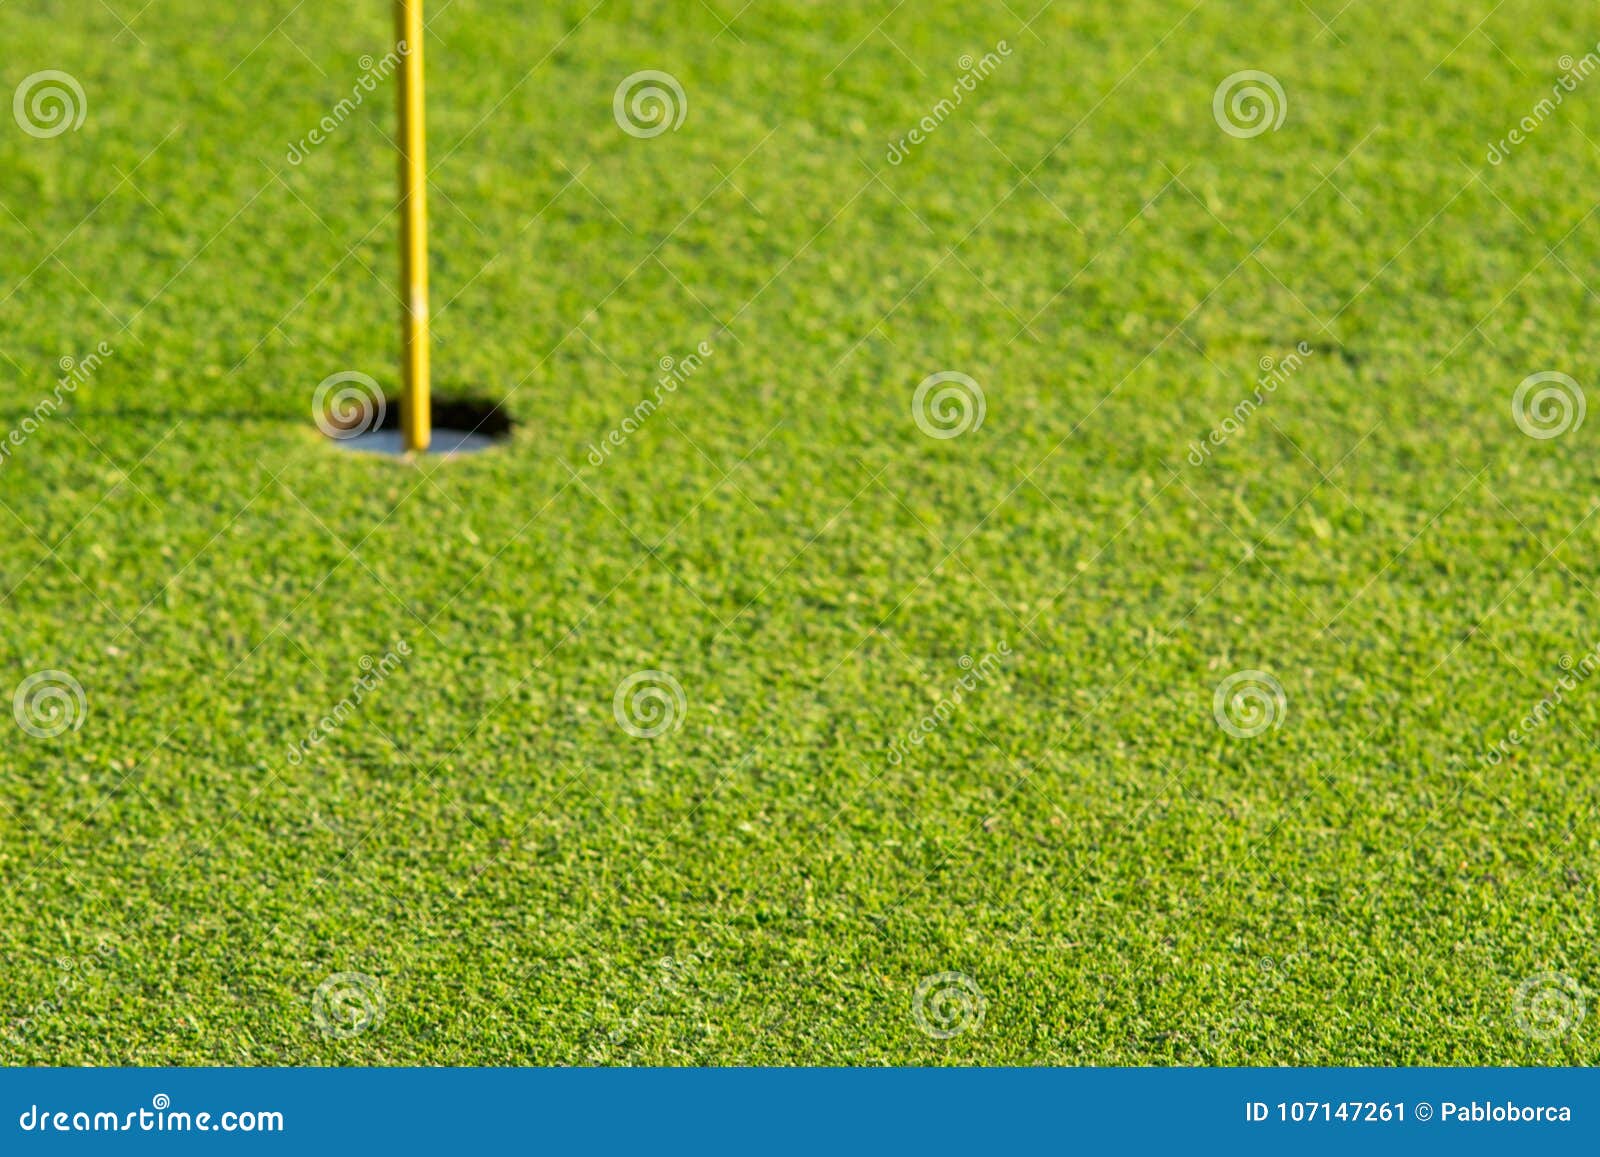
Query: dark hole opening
{"type": "Point", "coordinates": [469, 415]}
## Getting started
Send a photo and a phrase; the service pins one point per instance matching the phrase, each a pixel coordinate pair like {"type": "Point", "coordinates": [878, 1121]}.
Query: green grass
{"type": "Point", "coordinates": [532, 885]}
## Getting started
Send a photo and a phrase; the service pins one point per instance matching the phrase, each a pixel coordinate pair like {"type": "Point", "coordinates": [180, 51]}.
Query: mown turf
{"type": "Point", "coordinates": [1123, 880]}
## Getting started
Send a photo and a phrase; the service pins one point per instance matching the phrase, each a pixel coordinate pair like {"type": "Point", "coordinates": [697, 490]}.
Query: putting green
{"type": "Point", "coordinates": [1023, 542]}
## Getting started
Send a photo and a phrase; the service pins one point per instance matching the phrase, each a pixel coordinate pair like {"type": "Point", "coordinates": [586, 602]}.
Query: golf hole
{"type": "Point", "coordinates": [460, 426]}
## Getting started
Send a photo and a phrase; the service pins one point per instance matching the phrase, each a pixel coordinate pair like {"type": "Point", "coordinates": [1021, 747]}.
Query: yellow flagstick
{"type": "Point", "coordinates": [416, 418]}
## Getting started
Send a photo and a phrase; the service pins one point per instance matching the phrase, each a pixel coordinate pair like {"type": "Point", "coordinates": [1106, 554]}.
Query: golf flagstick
{"type": "Point", "coordinates": [416, 417]}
